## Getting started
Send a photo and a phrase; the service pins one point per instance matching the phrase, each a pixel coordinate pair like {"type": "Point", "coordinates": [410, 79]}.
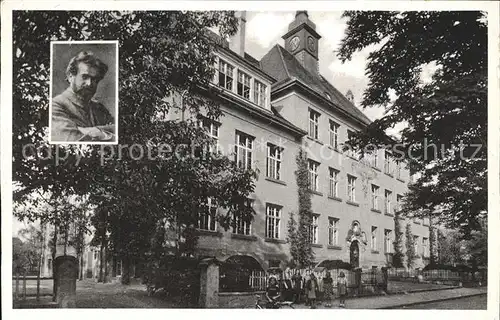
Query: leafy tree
{"type": "Point", "coordinates": [398, 257]}
{"type": "Point", "coordinates": [155, 65]}
{"type": "Point", "coordinates": [446, 113]}
{"type": "Point", "coordinates": [410, 247]}
{"type": "Point", "coordinates": [477, 246]}
{"type": "Point", "coordinates": [433, 249]}
{"type": "Point", "coordinates": [303, 248]}
{"type": "Point", "coordinates": [449, 247]}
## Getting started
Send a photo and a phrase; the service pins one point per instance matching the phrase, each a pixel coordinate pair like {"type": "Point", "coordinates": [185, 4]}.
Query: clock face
{"type": "Point", "coordinates": [294, 43]}
{"type": "Point", "coordinates": [310, 43]}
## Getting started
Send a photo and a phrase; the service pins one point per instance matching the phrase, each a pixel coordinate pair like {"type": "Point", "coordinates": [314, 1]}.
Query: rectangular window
{"type": "Point", "coordinates": [243, 150]}
{"type": "Point", "coordinates": [313, 175]}
{"type": "Point", "coordinates": [415, 244]}
{"type": "Point", "coordinates": [399, 200]}
{"type": "Point", "coordinates": [350, 152]}
{"type": "Point", "coordinates": [374, 158]}
{"type": "Point", "coordinates": [351, 188]}
{"type": "Point", "coordinates": [314, 231]}
{"type": "Point", "coordinates": [387, 241]}
{"type": "Point", "coordinates": [387, 162]}
{"type": "Point", "coordinates": [334, 134]}
{"type": "Point", "coordinates": [398, 169]}
{"type": "Point", "coordinates": [243, 87]}
{"type": "Point", "coordinates": [334, 182]}
{"type": "Point", "coordinates": [212, 130]}
{"type": "Point", "coordinates": [242, 226]}
{"type": "Point", "coordinates": [375, 197]}
{"type": "Point", "coordinates": [207, 216]}
{"type": "Point", "coordinates": [259, 93]}
{"type": "Point", "coordinates": [388, 196]}
{"type": "Point", "coordinates": [374, 239]}
{"type": "Point", "coordinates": [273, 221]}
{"type": "Point", "coordinates": [274, 154]}
{"type": "Point", "coordinates": [425, 244]}
{"type": "Point", "coordinates": [313, 124]}
{"type": "Point", "coordinates": [333, 232]}
{"type": "Point", "coordinates": [226, 75]}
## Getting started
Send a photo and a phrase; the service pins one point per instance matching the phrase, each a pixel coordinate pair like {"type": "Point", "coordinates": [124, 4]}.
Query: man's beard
{"type": "Point", "coordinates": [85, 93]}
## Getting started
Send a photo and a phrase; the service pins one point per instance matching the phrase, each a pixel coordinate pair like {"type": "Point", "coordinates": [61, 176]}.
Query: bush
{"type": "Point", "coordinates": [177, 277]}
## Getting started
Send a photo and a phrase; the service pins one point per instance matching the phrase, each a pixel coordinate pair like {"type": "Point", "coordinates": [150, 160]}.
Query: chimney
{"type": "Point", "coordinates": [350, 96]}
{"type": "Point", "coordinates": [237, 42]}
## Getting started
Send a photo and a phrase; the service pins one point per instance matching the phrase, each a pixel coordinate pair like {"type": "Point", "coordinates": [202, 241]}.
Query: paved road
{"type": "Point", "coordinates": [469, 303]}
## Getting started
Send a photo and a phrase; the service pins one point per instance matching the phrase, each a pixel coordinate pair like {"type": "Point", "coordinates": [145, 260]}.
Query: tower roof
{"type": "Point", "coordinates": [284, 67]}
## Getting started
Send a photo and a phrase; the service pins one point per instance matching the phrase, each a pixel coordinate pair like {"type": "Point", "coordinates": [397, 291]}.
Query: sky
{"type": "Point", "coordinates": [265, 29]}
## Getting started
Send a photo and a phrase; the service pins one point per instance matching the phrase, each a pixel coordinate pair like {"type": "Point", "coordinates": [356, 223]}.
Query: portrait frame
{"type": "Point", "coordinates": [61, 51]}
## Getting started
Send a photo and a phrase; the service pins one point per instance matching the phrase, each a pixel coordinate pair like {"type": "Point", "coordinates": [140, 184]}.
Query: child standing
{"type": "Point", "coordinates": [342, 288]}
{"type": "Point", "coordinates": [328, 287]}
{"type": "Point", "coordinates": [312, 288]}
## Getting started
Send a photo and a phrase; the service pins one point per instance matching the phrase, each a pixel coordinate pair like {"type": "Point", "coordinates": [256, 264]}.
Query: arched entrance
{"type": "Point", "coordinates": [354, 254]}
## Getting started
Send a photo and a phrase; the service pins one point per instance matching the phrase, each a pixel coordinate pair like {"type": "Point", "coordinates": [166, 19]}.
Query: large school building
{"type": "Point", "coordinates": [275, 106]}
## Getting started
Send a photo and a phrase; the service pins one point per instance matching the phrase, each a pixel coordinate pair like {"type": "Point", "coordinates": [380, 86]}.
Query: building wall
{"type": "Point", "coordinates": [283, 193]}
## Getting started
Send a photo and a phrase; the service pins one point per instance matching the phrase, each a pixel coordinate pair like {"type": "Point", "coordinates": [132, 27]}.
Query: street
{"type": "Point", "coordinates": [468, 303]}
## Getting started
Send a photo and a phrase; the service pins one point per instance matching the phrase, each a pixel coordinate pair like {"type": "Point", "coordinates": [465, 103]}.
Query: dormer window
{"type": "Point", "coordinates": [248, 86]}
{"type": "Point", "coordinates": [259, 93]}
{"type": "Point", "coordinates": [225, 75]}
{"type": "Point", "coordinates": [243, 88]}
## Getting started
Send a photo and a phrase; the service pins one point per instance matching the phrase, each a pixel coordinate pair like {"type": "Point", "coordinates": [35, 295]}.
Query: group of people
{"type": "Point", "coordinates": [298, 289]}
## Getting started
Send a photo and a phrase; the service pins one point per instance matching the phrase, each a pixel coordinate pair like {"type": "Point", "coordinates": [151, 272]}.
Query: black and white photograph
{"type": "Point", "coordinates": [335, 157]}
{"type": "Point", "coordinates": [84, 86]}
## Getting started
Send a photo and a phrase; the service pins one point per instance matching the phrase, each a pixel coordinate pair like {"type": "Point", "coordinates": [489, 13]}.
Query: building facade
{"type": "Point", "coordinates": [273, 108]}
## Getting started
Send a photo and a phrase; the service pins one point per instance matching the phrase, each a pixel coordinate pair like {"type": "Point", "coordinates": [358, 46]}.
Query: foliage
{"type": "Point", "coordinates": [410, 247]}
{"type": "Point", "coordinates": [398, 257]}
{"type": "Point", "coordinates": [155, 64]}
{"type": "Point", "coordinates": [449, 247]}
{"type": "Point", "coordinates": [302, 247]}
{"type": "Point", "coordinates": [442, 114]}
{"type": "Point", "coordinates": [293, 240]}
{"type": "Point", "coordinates": [477, 246]}
{"type": "Point", "coordinates": [27, 249]}
{"type": "Point", "coordinates": [433, 245]}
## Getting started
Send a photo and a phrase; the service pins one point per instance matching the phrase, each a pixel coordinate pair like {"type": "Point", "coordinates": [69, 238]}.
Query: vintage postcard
{"type": "Point", "coordinates": [333, 159]}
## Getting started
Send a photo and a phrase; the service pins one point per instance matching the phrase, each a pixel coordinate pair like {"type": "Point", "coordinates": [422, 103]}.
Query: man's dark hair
{"type": "Point", "coordinates": [88, 58]}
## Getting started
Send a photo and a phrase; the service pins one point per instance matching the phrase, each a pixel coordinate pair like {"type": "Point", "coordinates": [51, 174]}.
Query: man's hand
{"type": "Point", "coordinates": [94, 133]}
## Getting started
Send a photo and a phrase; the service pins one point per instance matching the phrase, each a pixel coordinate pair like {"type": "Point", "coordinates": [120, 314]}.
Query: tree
{"type": "Point", "coordinates": [447, 113]}
{"type": "Point", "coordinates": [449, 247]}
{"type": "Point", "coordinates": [303, 248]}
{"type": "Point", "coordinates": [155, 65]}
{"type": "Point", "coordinates": [433, 249]}
{"type": "Point", "coordinates": [293, 240]}
{"type": "Point", "coordinates": [477, 246]}
{"type": "Point", "coordinates": [398, 258]}
{"type": "Point", "coordinates": [410, 247]}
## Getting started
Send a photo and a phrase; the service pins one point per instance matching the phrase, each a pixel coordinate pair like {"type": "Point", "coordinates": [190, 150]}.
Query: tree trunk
{"type": "Point", "coordinates": [126, 270]}
{"type": "Point", "coordinates": [101, 266]}
{"type": "Point", "coordinates": [106, 274]}
{"type": "Point", "coordinates": [54, 278]}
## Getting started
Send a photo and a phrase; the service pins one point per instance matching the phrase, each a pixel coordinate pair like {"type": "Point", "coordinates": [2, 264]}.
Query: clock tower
{"type": "Point", "coordinates": [302, 41]}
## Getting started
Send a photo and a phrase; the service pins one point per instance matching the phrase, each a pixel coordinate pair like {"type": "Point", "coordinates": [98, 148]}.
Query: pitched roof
{"type": "Point", "coordinates": [283, 66]}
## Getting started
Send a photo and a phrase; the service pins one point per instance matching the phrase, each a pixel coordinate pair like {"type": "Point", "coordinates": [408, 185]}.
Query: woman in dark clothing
{"type": "Point", "coordinates": [272, 292]}
{"type": "Point", "coordinates": [297, 286]}
{"type": "Point", "coordinates": [312, 288]}
{"type": "Point", "coordinates": [328, 288]}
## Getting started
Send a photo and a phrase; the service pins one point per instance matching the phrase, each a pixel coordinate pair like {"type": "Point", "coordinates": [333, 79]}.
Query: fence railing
{"type": "Point", "coordinates": [437, 276]}
{"type": "Point", "coordinates": [23, 281]}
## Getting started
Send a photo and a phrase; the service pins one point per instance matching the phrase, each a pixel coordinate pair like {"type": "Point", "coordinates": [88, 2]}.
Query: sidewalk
{"type": "Point", "coordinates": [398, 301]}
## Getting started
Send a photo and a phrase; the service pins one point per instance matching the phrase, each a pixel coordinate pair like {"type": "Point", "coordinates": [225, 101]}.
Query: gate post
{"type": "Point", "coordinates": [66, 275]}
{"type": "Point", "coordinates": [209, 283]}
{"type": "Point", "coordinates": [359, 284]}
{"type": "Point", "coordinates": [385, 278]}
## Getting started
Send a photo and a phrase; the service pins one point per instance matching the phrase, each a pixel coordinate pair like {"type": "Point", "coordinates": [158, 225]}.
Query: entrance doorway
{"type": "Point", "coordinates": [354, 254]}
